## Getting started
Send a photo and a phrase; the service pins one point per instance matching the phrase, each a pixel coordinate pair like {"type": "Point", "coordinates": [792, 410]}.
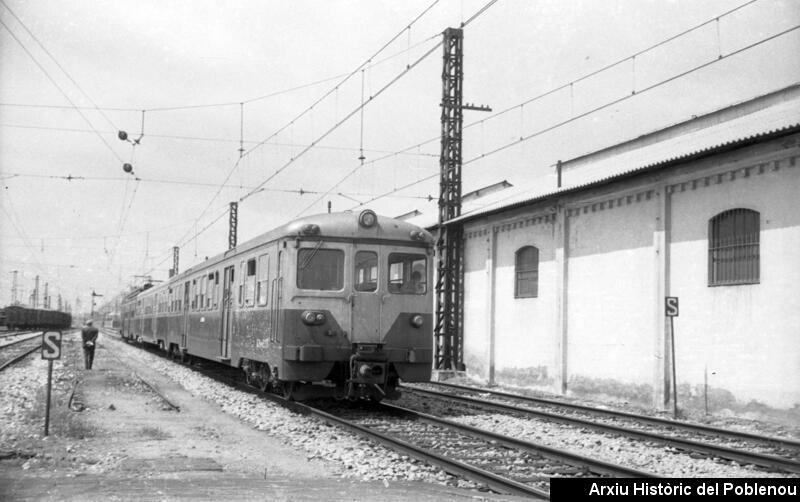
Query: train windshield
{"type": "Point", "coordinates": [320, 269]}
{"type": "Point", "coordinates": [366, 272]}
{"type": "Point", "coordinates": [407, 274]}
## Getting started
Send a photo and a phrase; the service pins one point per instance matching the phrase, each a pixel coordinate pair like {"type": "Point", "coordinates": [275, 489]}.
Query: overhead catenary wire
{"type": "Point", "coordinates": [60, 67]}
{"type": "Point", "coordinates": [343, 120]}
{"type": "Point", "coordinates": [221, 104]}
{"type": "Point", "coordinates": [591, 111]}
{"type": "Point", "coordinates": [331, 91]}
{"type": "Point", "coordinates": [212, 139]}
{"type": "Point", "coordinates": [569, 85]}
{"type": "Point", "coordinates": [72, 178]}
{"type": "Point", "coordinates": [63, 93]}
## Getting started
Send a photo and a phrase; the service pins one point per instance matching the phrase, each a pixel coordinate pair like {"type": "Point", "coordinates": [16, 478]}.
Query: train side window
{"type": "Point", "coordinates": [526, 271]}
{"type": "Point", "coordinates": [250, 283]}
{"type": "Point", "coordinates": [320, 269]}
{"type": "Point", "coordinates": [194, 294]}
{"type": "Point", "coordinates": [366, 271]}
{"type": "Point", "coordinates": [241, 283]}
{"type": "Point", "coordinates": [212, 291]}
{"type": "Point", "coordinates": [215, 297]}
{"type": "Point", "coordinates": [263, 279]}
{"type": "Point", "coordinates": [408, 274]}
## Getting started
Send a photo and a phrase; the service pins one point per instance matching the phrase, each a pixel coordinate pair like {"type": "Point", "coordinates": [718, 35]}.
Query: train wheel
{"type": "Point", "coordinates": [288, 390]}
{"type": "Point", "coordinates": [264, 377]}
{"type": "Point", "coordinates": [249, 377]}
{"type": "Point", "coordinates": [186, 358]}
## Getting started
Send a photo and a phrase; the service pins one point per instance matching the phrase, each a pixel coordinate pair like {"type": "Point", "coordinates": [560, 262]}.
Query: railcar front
{"type": "Point", "coordinates": [351, 309]}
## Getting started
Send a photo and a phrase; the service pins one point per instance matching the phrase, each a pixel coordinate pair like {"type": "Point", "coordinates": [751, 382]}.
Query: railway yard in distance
{"type": "Point", "coordinates": [142, 426]}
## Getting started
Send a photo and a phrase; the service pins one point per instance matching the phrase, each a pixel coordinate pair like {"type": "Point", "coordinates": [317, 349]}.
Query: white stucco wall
{"type": "Point", "coordinates": [524, 327]}
{"type": "Point", "coordinates": [476, 336]}
{"type": "Point", "coordinates": [746, 336]}
{"type": "Point", "coordinates": [610, 292]}
{"type": "Point", "coordinates": [608, 331]}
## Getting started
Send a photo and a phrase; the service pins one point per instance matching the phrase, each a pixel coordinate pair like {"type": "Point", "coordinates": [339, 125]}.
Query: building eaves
{"type": "Point", "coordinates": [648, 168]}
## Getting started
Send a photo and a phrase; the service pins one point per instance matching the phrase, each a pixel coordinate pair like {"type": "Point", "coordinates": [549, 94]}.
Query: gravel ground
{"type": "Point", "coordinates": [358, 458]}
{"type": "Point", "coordinates": [632, 453]}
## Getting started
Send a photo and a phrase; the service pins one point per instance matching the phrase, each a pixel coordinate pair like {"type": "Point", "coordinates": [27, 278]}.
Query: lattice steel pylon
{"type": "Point", "coordinates": [449, 246]}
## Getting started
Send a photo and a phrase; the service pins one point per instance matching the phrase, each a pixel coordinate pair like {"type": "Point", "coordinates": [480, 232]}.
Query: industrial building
{"type": "Point", "coordinates": [565, 290]}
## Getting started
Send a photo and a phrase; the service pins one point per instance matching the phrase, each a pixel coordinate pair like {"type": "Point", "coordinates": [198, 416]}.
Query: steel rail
{"type": "Point", "coordinates": [6, 334]}
{"type": "Point", "coordinates": [768, 461]}
{"type": "Point", "coordinates": [15, 342]}
{"type": "Point", "coordinates": [19, 357]}
{"type": "Point", "coordinates": [591, 464]}
{"type": "Point", "coordinates": [495, 482]}
{"type": "Point", "coordinates": [675, 424]}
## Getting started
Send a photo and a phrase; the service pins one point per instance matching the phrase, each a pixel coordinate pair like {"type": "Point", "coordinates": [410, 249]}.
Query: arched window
{"type": "Point", "coordinates": [527, 272]}
{"type": "Point", "coordinates": [733, 248]}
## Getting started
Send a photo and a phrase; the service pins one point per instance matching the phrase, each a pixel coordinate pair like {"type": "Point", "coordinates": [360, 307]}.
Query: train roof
{"type": "Point", "coordinates": [344, 225]}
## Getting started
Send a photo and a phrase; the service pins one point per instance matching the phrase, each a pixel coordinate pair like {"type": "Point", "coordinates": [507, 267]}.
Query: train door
{"type": "Point", "coordinates": [276, 295]}
{"type": "Point", "coordinates": [227, 317]}
{"type": "Point", "coordinates": [366, 299]}
{"type": "Point", "coordinates": [185, 327]}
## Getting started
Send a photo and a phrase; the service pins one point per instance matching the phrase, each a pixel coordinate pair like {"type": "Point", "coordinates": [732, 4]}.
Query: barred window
{"type": "Point", "coordinates": [527, 273]}
{"type": "Point", "coordinates": [733, 248]}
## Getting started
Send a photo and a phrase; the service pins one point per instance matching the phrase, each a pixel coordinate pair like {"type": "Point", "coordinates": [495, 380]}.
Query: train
{"type": "Point", "coordinates": [334, 305]}
{"type": "Point", "coordinates": [18, 317]}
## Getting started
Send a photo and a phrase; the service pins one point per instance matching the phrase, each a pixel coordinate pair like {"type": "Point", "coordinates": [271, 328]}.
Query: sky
{"type": "Point", "coordinates": [260, 102]}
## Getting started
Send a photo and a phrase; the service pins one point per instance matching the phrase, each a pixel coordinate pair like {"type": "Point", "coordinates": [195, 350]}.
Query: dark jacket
{"type": "Point", "coordinates": [89, 334]}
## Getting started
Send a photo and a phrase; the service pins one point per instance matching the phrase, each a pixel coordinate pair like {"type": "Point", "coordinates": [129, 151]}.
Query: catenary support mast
{"type": "Point", "coordinates": [449, 284]}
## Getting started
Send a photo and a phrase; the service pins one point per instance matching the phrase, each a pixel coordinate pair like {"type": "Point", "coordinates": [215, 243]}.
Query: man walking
{"type": "Point", "coordinates": [89, 335]}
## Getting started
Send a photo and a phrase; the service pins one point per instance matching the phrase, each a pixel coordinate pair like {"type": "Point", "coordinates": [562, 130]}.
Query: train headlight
{"type": "Point", "coordinates": [417, 235]}
{"type": "Point", "coordinates": [312, 318]}
{"type": "Point", "coordinates": [309, 229]}
{"type": "Point", "coordinates": [417, 321]}
{"type": "Point", "coordinates": [367, 218]}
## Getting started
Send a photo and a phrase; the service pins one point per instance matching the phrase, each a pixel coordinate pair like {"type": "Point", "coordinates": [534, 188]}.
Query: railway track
{"type": "Point", "coordinates": [9, 334]}
{"type": "Point", "coordinates": [14, 352]}
{"type": "Point", "coordinates": [501, 463]}
{"type": "Point", "coordinates": [768, 452]}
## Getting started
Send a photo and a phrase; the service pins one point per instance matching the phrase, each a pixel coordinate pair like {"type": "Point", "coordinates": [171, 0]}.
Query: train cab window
{"type": "Point", "coordinates": [250, 283]}
{"type": "Point", "coordinates": [407, 274]}
{"type": "Point", "coordinates": [320, 269]}
{"type": "Point", "coordinates": [366, 271]}
{"type": "Point", "coordinates": [263, 279]}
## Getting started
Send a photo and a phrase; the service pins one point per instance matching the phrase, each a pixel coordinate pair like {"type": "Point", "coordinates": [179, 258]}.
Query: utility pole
{"type": "Point", "coordinates": [94, 295]}
{"type": "Point", "coordinates": [46, 297]}
{"type": "Point", "coordinates": [14, 286]}
{"type": "Point", "coordinates": [449, 347]}
{"type": "Point", "coordinates": [35, 300]}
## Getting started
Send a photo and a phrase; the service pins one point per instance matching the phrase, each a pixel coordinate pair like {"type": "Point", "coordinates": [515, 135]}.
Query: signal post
{"type": "Point", "coordinates": [51, 350]}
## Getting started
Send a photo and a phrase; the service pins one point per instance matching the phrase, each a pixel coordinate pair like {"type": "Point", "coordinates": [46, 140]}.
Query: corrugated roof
{"type": "Point", "coordinates": [757, 120]}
